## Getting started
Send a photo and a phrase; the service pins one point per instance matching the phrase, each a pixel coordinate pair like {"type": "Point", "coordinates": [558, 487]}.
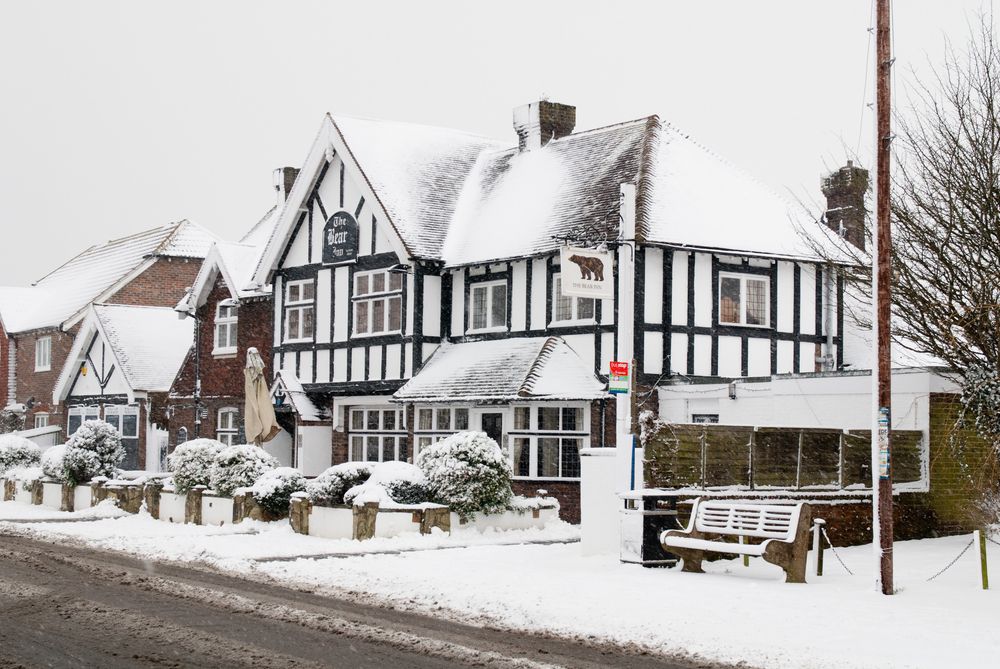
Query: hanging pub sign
{"type": "Point", "coordinates": [618, 383]}
{"type": "Point", "coordinates": [586, 273]}
{"type": "Point", "coordinates": [340, 238]}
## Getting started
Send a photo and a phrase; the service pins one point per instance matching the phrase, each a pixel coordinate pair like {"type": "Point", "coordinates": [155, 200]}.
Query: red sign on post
{"type": "Point", "coordinates": [618, 382]}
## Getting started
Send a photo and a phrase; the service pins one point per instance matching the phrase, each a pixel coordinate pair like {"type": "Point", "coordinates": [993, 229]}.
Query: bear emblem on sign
{"type": "Point", "coordinates": [591, 269]}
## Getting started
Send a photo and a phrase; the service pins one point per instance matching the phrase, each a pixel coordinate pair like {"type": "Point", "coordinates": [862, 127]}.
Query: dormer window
{"type": "Point", "coordinates": [743, 300]}
{"type": "Point", "coordinates": [225, 329]}
{"type": "Point", "coordinates": [300, 307]}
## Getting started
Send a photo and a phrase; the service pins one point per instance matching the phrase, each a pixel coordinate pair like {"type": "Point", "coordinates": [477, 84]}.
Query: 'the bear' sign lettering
{"type": "Point", "coordinates": [587, 273]}
{"type": "Point", "coordinates": [340, 238]}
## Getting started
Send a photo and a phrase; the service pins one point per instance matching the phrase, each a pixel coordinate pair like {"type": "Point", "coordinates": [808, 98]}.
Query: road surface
{"type": "Point", "coordinates": [67, 606]}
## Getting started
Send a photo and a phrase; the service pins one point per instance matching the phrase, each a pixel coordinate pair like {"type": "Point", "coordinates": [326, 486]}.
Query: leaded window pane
{"type": "Point", "coordinates": [729, 300]}
{"type": "Point", "coordinates": [548, 418]}
{"type": "Point", "coordinates": [548, 457]}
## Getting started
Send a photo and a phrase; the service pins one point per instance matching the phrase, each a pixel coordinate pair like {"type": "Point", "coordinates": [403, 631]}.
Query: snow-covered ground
{"type": "Point", "coordinates": [732, 613]}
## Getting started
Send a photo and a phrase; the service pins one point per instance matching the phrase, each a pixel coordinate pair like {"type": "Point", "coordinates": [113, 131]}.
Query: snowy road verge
{"type": "Point", "coordinates": [834, 621]}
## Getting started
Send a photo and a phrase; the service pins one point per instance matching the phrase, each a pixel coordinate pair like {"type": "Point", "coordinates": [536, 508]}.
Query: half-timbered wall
{"type": "Point", "coordinates": [336, 357]}
{"type": "Point", "coordinates": [679, 331]}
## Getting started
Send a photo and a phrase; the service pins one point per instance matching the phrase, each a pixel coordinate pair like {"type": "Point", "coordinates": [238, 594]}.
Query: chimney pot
{"type": "Point", "coordinates": [845, 191]}
{"type": "Point", "coordinates": [538, 123]}
{"type": "Point", "coordinates": [284, 178]}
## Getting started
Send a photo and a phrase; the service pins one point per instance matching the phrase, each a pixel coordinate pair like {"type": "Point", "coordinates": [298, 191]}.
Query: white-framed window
{"type": "Point", "coordinates": [378, 434]}
{"type": "Point", "coordinates": [227, 427]}
{"type": "Point", "coordinates": [435, 423]}
{"type": "Point", "coordinates": [225, 329]}
{"type": "Point", "coordinates": [378, 302]}
{"type": "Point", "coordinates": [125, 419]}
{"type": "Point", "coordinates": [567, 309]}
{"type": "Point", "coordinates": [77, 415]}
{"type": "Point", "coordinates": [41, 420]}
{"type": "Point", "coordinates": [300, 309]}
{"type": "Point", "coordinates": [488, 306]}
{"type": "Point", "coordinates": [743, 299]}
{"type": "Point", "coordinates": [546, 440]}
{"type": "Point", "coordinates": [43, 354]}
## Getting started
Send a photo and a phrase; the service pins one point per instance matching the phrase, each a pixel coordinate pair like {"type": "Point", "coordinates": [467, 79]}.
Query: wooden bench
{"type": "Point", "coordinates": [784, 528]}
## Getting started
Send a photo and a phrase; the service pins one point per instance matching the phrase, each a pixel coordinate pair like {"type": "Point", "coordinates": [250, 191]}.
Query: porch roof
{"type": "Point", "coordinates": [540, 368]}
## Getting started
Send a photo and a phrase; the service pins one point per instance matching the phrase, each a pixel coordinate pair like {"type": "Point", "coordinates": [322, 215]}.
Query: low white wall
{"type": "Point", "coordinates": [216, 510]}
{"type": "Point", "coordinates": [599, 502]}
{"type": "Point", "coordinates": [332, 523]}
{"type": "Point", "coordinates": [508, 520]}
{"type": "Point", "coordinates": [52, 495]}
{"type": "Point", "coordinates": [20, 494]}
{"type": "Point", "coordinates": [81, 497]}
{"type": "Point", "coordinates": [393, 523]}
{"type": "Point", "coordinates": [172, 507]}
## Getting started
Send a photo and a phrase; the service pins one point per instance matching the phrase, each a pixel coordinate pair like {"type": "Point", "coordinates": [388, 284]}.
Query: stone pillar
{"type": "Point", "coordinates": [298, 514]}
{"type": "Point", "coordinates": [36, 492]}
{"type": "Point", "coordinates": [151, 497]}
{"type": "Point", "coordinates": [192, 505]}
{"type": "Point", "coordinates": [9, 489]}
{"type": "Point", "coordinates": [364, 520]}
{"type": "Point", "coordinates": [431, 518]}
{"type": "Point", "coordinates": [98, 493]}
{"type": "Point", "coordinates": [68, 497]}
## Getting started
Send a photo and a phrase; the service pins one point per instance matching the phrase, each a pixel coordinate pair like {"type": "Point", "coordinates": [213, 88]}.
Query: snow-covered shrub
{"type": "Point", "coordinates": [392, 481]}
{"type": "Point", "coordinates": [27, 476]}
{"type": "Point", "coordinates": [11, 421]}
{"type": "Point", "coordinates": [274, 489]}
{"type": "Point", "coordinates": [330, 486]}
{"type": "Point", "coordinates": [16, 451]}
{"type": "Point", "coordinates": [239, 466]}
{"type": "Point", "coordinates": [52, 462]}
{"type": "Point", "coordinates": [191, 463]}
{"type": "Point", "coordinates": [95, 449]}
{"type": "Point", "coordinates": [469, 472]}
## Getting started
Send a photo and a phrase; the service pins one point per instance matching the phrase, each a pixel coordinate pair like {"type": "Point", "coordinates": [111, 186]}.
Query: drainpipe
{"type": "Point", "coordinates": [197, 376]}
{"type": "Point", "coordinates": [829, 359]}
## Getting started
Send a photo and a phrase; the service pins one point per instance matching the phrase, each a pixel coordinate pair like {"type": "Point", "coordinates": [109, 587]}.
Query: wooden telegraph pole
{"type": "Point", "coordinates": [881, 277]}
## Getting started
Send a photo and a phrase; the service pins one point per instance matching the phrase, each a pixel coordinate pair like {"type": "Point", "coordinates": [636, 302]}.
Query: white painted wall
{"type": "Point", "coordinates": [841, 401]}
{"type": "Point", "coordinates": [216, 510]}
{"type": "Point", "coordinates": [314, 448]}
{"type": "Point", "coordinates": [281, 448]}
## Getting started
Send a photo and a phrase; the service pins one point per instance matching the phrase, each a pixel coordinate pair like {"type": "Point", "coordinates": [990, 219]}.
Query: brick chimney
{"type": "Point", "coordinates": [538, 123]}
{"type": "Point", "coordinates": [845, 191]}
{"type": "Point", "coordinates": [284, 177]}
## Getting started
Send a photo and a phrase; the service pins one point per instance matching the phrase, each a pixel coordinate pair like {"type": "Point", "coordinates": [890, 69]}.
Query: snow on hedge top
{"type": "Point", "coordinates": [66, 290]}
{"type": "Point", "coordinates": [507, 369]}
{"type": "Point", "coordinates": [416, 172]}
{"type": "Point", "coordinates": [149, 342]}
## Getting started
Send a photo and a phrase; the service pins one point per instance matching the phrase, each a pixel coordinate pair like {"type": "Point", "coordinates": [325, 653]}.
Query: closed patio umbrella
{"type": "Point", "coordinates": [260, 423]}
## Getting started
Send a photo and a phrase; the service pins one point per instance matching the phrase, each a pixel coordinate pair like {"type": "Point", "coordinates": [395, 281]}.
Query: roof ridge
{"type": "Point", "coordinates": [413, 124]}
{"type": "Point", "coordinates": [535, 371]}
{"type": "Point", "coordinates": [604, 128]}
{"type": "Point", "coordinates": [256, 225]}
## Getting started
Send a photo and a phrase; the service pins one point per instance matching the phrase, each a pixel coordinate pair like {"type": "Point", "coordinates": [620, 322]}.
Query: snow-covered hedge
{"type": "Point", "coordinates": [468, 472]}
{"type": "Point", "coordinates": [239, 466]}
{"type": "Point", "coordinates": [330, 486]}
{"type": "Point", "coordinates": [16, 451]}
{"type": "Point", "coordinates": [52, 462]}
{"type": "Point", "coordinates": [398, 482]}
{"type": "Point", "coordinates": [274, 489]}
{"type": "Point", "coordinates": [95, 449]}
{"type": "Point", "coordinates": [191, 463]}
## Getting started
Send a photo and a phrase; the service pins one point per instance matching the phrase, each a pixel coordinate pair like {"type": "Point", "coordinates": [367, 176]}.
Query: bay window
{"type": "Point", "coordinates": [77, 415]}
{"type": "Point", "coordinates": [546, 441]}
{"type": "Point", "coordinates": [378, 302]}
{"type": "Point", "coordinates": [434, 424]}
{"type": "Point", "coordinates": [378, 434]}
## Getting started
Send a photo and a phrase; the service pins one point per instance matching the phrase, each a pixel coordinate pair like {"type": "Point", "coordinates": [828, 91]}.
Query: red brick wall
{"type": "Point", "coordinates": [41, 384]}
{"type": "Point", "coordinates": [567, 492]}
{"type": "Point", "coordinates": [4, 367]}
{"type": "Point", "coordinates": [221, 376]}
{"type": "Point", "coordinates": [162, 285]}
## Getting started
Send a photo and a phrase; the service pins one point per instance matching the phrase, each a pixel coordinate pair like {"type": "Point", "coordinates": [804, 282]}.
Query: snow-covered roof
{"type": "Point", "coordinates": [540, 368]}
{"type": "Point", "coordinates": [465, 200]}
{"type": "Point", "coordinates": [297, 397]}
{"type": "Point", "coordinates": [416, 171]}
{"type": "Point", "coordinates": [16, 308]}
{"type": "Point", "coordinates": [149, 343]}
{"type": "Point", "coordinates": [95, 273]}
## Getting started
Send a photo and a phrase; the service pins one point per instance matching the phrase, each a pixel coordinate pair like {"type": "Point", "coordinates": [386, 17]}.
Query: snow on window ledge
{"type": "Point", "coordinates": [228, 352]}
{"type": "Point", "coordinates": [502, 328]}
{"type": "Point", "coordinates": [570, 323]}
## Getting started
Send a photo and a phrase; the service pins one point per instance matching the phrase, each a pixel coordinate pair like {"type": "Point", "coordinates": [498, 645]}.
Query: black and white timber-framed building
{"type": "Point", "coordinates": [416, 284]}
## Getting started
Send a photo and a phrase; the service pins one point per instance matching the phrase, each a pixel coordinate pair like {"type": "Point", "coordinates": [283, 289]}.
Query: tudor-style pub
{"type": "Point", "coordinates": [418, 291]}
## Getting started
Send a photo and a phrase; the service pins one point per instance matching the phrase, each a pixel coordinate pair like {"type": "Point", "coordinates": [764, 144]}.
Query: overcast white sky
{"type": "Point", "coordinates": [120, 116]}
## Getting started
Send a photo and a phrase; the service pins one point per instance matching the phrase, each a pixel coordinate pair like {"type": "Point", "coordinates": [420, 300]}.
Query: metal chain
{"type": "Point", "coordinates": [835, 553]}
{"type": "Point", "coordinates": [950, 564]}
{"type": "Point", "coordinates": [992, 540]}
